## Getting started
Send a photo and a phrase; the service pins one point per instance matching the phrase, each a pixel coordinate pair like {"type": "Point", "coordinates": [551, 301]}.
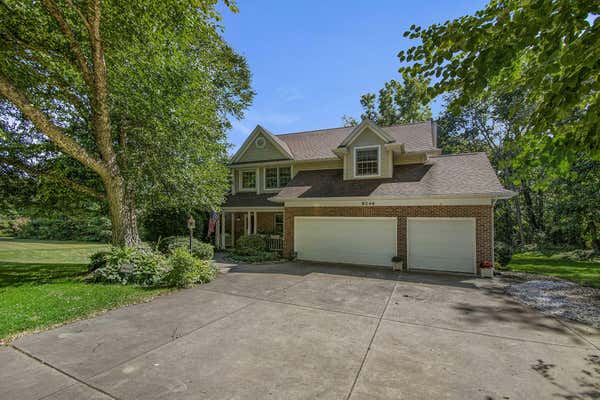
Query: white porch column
{"type": "Point", "coordinates": [248, 223]}
{"type": "Point", "coordinates": [255, 221]}
{"type": "Point", "coordinates": [232, 229]}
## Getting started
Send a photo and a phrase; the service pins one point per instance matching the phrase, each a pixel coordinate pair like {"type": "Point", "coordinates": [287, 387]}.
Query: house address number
{"type": "Point", "coordinates": [367, 203]}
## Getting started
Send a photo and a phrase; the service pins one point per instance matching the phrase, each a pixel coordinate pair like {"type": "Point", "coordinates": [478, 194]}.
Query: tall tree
{"type": "Point", "coordinates": [549, 48]}
{"type": "Point", "coordinates": [138, 93]}
{"type": "Point", "coordinates": [396, 103]}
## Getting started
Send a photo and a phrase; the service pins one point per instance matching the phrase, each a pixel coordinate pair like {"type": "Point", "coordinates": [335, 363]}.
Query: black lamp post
{"type": "Point", "coordinates": [191, 224]}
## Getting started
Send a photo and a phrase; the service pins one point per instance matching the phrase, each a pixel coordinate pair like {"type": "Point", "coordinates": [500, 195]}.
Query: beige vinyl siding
{"type": "Point", "coordinates": [368, 138]}
{"type": "Point", "coordinates": [269, 152]}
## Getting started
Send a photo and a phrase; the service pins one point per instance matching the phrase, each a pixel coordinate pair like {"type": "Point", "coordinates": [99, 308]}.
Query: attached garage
{"type": "Point", "coordinates": [441, 244]}
{"type": "Point", "coordinates": [353, 240]}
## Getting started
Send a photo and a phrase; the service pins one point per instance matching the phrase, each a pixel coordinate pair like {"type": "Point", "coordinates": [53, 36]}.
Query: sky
{"type": "Point", "coordinates": [312, 60]}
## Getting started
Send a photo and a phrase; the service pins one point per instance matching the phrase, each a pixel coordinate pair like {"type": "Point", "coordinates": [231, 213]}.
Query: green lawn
{"type": "Point", "coordinates": [41, 285]}
{"type": "Point", "coordinates": [582, 272]}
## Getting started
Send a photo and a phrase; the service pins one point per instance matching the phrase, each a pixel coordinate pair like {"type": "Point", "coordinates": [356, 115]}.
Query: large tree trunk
{"type": "Point", "coordinates": [123, 214]}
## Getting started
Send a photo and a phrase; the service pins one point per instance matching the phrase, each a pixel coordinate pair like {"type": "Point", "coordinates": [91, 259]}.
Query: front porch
{"type": "Point", "coordinates": [236, 222]}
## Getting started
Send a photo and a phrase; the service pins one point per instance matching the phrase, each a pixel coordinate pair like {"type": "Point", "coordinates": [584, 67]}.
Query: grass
{"type": "Point", "coordinates": [582, 272]}
{"type": "Point", "coordinates": [41, 285]}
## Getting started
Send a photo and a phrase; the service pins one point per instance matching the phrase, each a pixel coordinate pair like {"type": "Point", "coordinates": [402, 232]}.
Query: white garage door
{"type": "Point", "coordinates": [443, 244]}
{"type": "Point", "coordinates": [353, 240]}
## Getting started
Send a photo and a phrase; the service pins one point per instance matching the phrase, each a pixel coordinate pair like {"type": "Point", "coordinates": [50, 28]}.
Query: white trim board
{"type": "Point", "coordinates": [374, 202]}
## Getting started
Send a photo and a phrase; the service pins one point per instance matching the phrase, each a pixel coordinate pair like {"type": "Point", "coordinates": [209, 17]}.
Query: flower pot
{"type": "Point", "coordinates": [397, 265]}
{"type": "Point", "coordinates": [487, 272]}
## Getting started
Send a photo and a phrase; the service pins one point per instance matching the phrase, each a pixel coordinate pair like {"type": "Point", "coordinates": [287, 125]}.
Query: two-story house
{"type": "Point", "coordinates": [363, 195]}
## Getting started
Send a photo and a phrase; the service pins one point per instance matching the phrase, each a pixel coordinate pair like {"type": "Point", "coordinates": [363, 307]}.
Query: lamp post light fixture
{"type": "Point", "coordinates": [191, 224]}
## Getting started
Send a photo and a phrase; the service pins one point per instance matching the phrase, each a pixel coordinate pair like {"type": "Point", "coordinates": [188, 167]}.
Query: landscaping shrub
{"type": "Point", "coordinates": [64, 227]}
{"type": "Point", "coordinates": [97, 260]}
{"type": "Point", "coordinates": [201, 250]}
{"type": "Point", "coordinates": [131, 265]}
{"type": "Point", "coordinates": [255, 257]}
{"type": "Point", "coordinates": [250, 245]}
{"type": "Point", "coordinates": [502, 253]}
{"type": "Point", "coordinates": [187, 270]}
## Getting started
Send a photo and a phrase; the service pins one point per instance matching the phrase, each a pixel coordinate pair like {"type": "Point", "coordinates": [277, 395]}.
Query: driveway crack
{"type": "Point", "coordinates": [362, 364]}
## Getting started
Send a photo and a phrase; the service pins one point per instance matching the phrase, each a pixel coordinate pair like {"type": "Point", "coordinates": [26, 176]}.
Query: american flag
{"type": "Point", "coordinates": [212, 223]}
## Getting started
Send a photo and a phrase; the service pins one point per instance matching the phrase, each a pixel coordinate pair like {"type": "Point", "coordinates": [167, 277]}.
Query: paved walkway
{"type": "Point", "coordinates": [309, 331]}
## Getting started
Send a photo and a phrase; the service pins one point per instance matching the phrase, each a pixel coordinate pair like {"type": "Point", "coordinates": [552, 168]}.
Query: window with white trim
{"type": "Point", "coordinates": [279, 224]}
{"type": "Point", "coordinates": [366, 161]}
{"type": "Point", "coordinates": [277, 177]}
{"type": "Point", "coordinates": [248, 179]}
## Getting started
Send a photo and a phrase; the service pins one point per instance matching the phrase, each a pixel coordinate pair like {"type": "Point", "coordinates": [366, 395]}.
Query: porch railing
{"type": "Point", "coordinates": [275, 242]}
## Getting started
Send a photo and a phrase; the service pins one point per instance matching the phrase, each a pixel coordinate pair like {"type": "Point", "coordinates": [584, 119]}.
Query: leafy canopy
{"type": "Point", "coordinates": [396, 103]}
{"type": "Point", "coordinates": [173, 86]}
{"type": "Point", "coordinates": [550, 49]}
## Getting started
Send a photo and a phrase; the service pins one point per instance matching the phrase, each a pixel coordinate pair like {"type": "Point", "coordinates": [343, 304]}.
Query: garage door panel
{"type": "Point", "coordinates": [441, 244]}
{"type": "Point", "coordinates": [368, 241]}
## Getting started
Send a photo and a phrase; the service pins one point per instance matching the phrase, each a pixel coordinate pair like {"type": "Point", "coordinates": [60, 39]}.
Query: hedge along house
{"type": "Point", "coordinates": [363, 195]}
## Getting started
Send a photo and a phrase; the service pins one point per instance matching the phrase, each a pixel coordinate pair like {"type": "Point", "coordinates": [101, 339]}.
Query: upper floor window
{"type": "Point", "coordinates": [248, 179]}
{"type": "Point", "coordinates": [366, 161]}
{"type": "Point", "coordinates": [277, 177]}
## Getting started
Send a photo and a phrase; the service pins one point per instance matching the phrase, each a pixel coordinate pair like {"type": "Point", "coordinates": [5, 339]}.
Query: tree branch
{"type": "Point", "coordinates": [81, 15]}
{"type": "Point", "coordinates": [100, 89]}
{"type": "Point", "coordinates": [22, 166]}
{"type": "Point", "coordinates": [48, 128]}
{"type": "Point", "coordinates": [73, 44]}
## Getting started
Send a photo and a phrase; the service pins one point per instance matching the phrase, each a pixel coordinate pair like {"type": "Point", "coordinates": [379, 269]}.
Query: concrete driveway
{"type": "Point", "coordinates": [309, 331]}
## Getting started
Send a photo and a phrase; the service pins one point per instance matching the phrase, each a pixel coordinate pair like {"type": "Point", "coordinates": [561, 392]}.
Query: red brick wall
{"type": "Point", "coordinates": [481, 213]}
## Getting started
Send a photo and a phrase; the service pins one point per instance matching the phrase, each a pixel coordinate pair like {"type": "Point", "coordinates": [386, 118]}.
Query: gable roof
{"type": "Point", "coordinates": [448, 175]}
{"type": "Point", "coordinates": [358, 129]}
{"type": "Point", "coordinates": [319, 144]}
{"type": "Point", "coordinates": [278, 143]}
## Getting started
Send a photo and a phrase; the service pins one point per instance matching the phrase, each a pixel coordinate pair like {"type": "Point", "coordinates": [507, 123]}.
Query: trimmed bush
{"type": "Point", "coordinates": [187, 270]}
{"type": "Point", "coordinates": [201, 250]}
{"type": "Point", "coordinates": [126, 265]}
{"type": "Point", "coordinates": [250, 245]}
{"type": "Point", "coordinates": [502, 253]}
{"type": "Point", "coordinates": [255, 257]}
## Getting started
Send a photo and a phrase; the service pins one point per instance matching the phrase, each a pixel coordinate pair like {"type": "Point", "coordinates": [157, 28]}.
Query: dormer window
{"type": "Point", "coordinates": [366, 161]}
{"type": "Point", "coordinates": [248, 179]}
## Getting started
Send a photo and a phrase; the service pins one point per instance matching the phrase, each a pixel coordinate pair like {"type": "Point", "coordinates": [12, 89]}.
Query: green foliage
{"type": "Point", "coordinates": [187, 270]}
{"type": "Point", "coordinates": [582, 272]}
{"type": "Point", "coordinates": [253, 256]}
{"type": "Point", "coordinates": [42, 286]}
{"type": "Point", "coordinates": [144, 108]}
{"type": "Point", "coordinates": [64, 227]}
{"type": "Point", "coordinates": [250, 245]}
{"type": "Point", "coordinates": [502, 253]}
{"type": "Point", "coordinates": [200, 250]}
{"type": "Point", "coordinates": [547, 49]}
{"type": "Point", "coordinates": [128, 265]}
{"type": "Point", "coordinates": [98, 260]}
{"type": "Point", "coordinates": [396, 103]}
{"type": "Point", "coordinates": [159, 223]}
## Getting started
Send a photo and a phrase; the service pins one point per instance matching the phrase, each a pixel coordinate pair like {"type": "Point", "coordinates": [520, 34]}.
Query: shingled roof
{"type": "Point", "coordinates": [463, 174]}
{"type": "Point", "coordinates": [314, 145]}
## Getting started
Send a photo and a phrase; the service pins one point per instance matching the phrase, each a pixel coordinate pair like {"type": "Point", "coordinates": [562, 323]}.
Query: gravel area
{"type": "Point", "coordinates": [556, 297]}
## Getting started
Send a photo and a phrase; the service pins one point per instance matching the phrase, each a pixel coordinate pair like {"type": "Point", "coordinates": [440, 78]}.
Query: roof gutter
{"type": "Point", "coordinates": [491, 195]}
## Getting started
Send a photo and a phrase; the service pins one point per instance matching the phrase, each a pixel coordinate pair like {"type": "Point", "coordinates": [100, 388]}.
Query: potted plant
{"type": "Point", "coordinates": [487, 269]}
{"type": "Point", "coordinates": [397, 263]}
